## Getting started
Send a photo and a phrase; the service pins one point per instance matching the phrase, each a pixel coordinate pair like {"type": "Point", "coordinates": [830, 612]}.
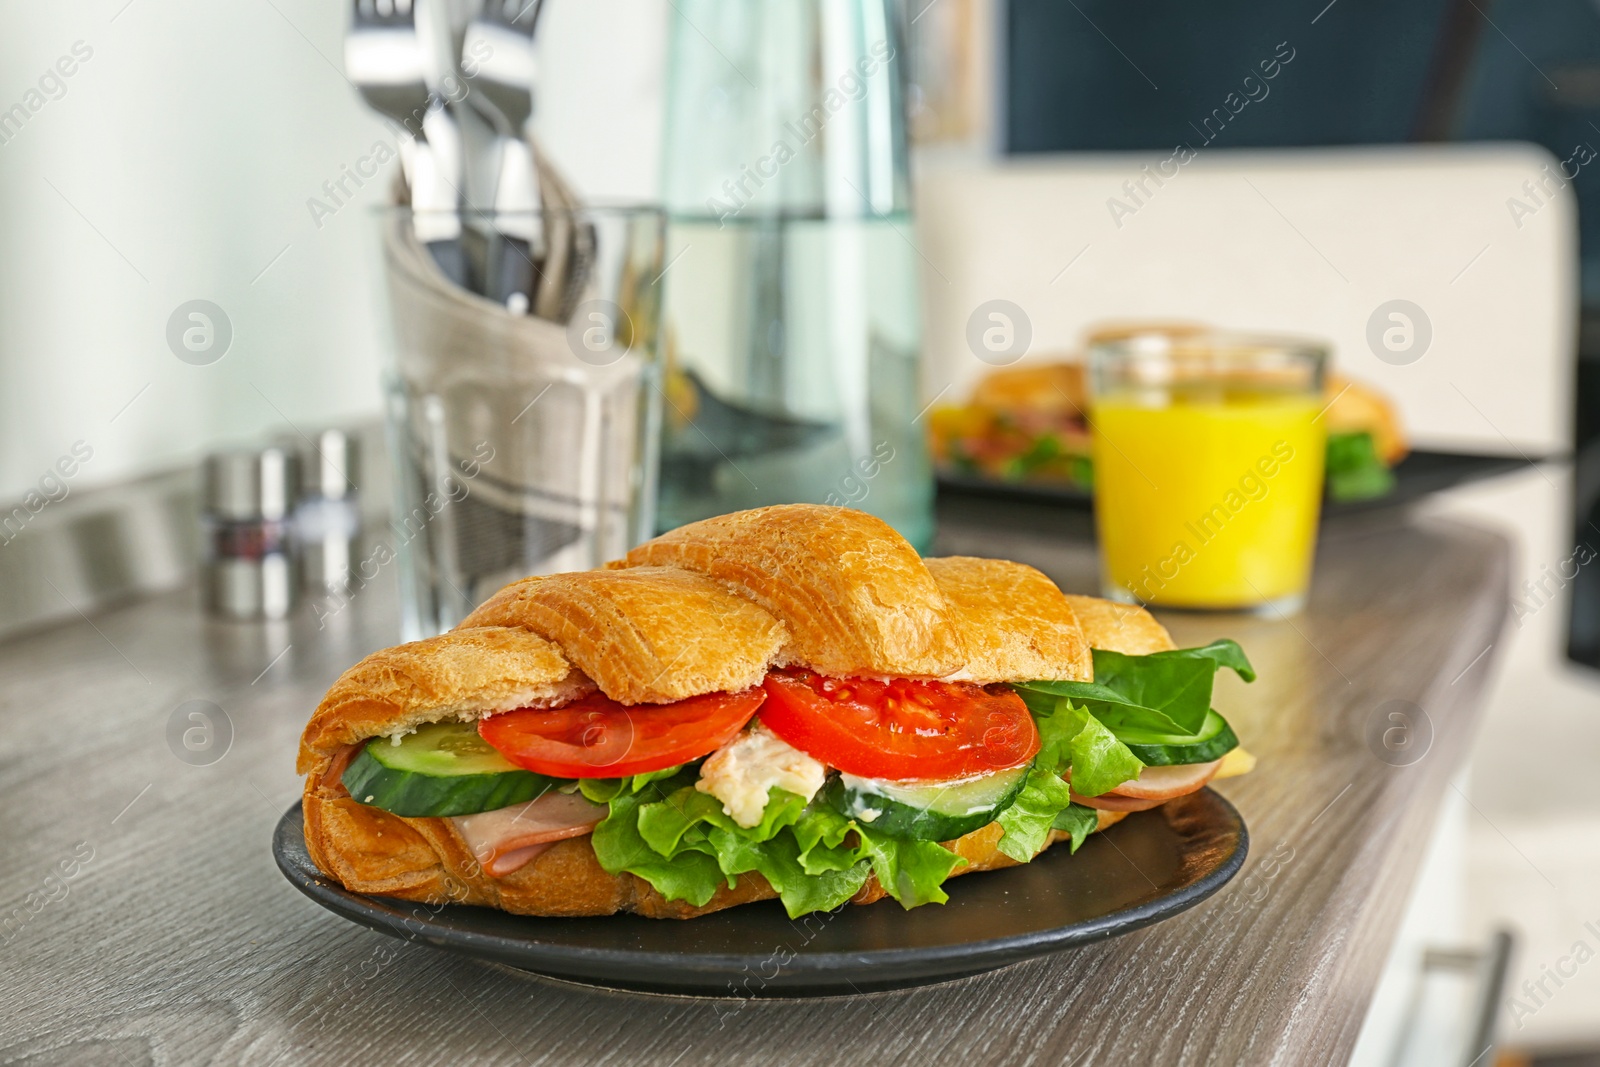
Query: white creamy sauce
{"type": "Point", "coordinates": [742, 773]}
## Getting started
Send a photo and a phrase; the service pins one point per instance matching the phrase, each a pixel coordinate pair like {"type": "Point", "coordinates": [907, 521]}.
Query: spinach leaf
{"type": "Point", "coordinates": [1116, 709]}
{"type": "Point", "coordinates": [1160, 693]}
{"type": "Point", "coordinates": [1178, 688]}
{"type": "Point", "coordinates": [1223, 653]}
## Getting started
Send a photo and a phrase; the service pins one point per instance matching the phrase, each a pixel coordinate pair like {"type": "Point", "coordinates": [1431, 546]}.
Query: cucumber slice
{"type": "Point", "coordinates": [441, 769]}
{"type": "Point", "coordinates": [1215, 740]}
{"type": "Point", "coordinates": [925, 811]}
{"type": "Point", "coordinates": [442, 750]}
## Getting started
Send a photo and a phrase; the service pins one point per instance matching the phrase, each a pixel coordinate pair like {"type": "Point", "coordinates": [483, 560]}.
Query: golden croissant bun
{"type": "Point", "coordinates": [706, 608]}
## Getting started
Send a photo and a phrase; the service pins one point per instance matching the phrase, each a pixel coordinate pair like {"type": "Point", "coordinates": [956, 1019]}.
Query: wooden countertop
{"type": "Point", "coordinates": [173, 939]}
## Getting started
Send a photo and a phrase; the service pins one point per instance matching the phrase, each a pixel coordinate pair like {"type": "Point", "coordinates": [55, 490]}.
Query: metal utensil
{"type": "Point", "coordinates": [463, 138]}
{"type": "Point", "coordinates": [497, 58]}
{"type": "Point", "coordinates": [386, 57]}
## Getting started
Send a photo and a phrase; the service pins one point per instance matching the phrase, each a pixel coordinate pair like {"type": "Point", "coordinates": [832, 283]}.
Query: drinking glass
{"type": "Point", "coordinates": [524, 443]}
{"type": "Point", "coordinates": [1208, 460]}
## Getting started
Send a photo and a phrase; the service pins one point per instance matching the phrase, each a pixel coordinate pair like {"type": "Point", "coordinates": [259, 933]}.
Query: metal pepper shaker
{"type": "Point", "coordinates": [250, 569]}
{"type": "Point", "coordinates": [327, 517]}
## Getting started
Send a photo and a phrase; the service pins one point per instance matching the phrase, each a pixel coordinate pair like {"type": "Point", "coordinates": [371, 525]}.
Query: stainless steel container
{"type": "Point", "coordinates": [249, 570]}
{"type": "Point", "coordinates": [327, 518]}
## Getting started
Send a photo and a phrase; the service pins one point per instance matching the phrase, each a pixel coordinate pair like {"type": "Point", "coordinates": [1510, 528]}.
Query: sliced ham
{"type": "Point", "coordinates": [1155, 785]}
{"type": "Point", "coordinates": [1112, 802]}
{"type": "Point", "coordinates": [507, 839]}
{"type": "Point", "coordinates": [1164, 783]}
{"type": "Point", "coordinates": [340, 763]}
{"type": "Point", "coordinates": [513, 861]}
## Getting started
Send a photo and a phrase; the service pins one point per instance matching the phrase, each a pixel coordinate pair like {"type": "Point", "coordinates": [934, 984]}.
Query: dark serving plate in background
{"type": "Point", "coordinates": [1147, 868]}
{"type": "Point", "coordinates": [1419, 475]}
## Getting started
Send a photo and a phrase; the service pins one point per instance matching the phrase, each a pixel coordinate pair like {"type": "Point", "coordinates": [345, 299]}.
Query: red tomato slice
{"type": "Point", "coordinates": [900, 729]}
{"type": "Point", "coordinates": [596, 737]}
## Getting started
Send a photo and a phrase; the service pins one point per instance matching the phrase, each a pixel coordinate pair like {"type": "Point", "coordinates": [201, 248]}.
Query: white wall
{"type": "Point", "coordinates": [182, 155]}
{"type": "Point", "coordinates": [603, 63]}
{"type": "Point", "coordinates": [1303, 241]}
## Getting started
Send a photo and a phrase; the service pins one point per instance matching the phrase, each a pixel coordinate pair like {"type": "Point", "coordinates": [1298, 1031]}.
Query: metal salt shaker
{"type": "Point", "coordinates": [249, 569]}
{"type": "Point", "coordinates": [327, 518]}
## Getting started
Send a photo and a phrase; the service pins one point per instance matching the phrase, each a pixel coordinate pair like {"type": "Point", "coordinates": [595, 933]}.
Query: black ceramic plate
{"type": "Point", "coordinates": [1419, 475]}
{"type": "Point", "coordinates": [1149, 867]}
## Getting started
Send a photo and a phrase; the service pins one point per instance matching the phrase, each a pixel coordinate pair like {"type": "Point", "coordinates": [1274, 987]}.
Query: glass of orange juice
{"type": "Point", "coordinates": [1208, 464]}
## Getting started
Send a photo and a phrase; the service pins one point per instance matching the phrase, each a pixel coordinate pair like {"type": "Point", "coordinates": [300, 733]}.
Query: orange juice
{"type": "Point", "coordinates": [1208, 499]}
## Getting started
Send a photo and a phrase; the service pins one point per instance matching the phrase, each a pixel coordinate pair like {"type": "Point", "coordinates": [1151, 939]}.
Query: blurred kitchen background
{"type": "Point", "coordinates": [1401, 151]}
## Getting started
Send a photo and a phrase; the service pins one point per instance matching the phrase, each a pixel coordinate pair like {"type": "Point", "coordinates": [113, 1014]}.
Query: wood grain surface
{"type": "Point", "coordinates": [142, 920]}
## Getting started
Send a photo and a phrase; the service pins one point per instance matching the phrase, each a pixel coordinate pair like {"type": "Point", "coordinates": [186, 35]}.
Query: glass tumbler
{"type": "Point", "coordinates": [524, 443]}
{"type": "Point", "coordinates": [1208, 458]}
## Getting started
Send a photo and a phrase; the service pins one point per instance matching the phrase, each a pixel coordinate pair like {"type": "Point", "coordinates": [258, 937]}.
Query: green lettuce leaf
{"type": "Point", "coordinates": [912, 872]}
{"type": "Point", "coordinates": [1028, 820]}
{"type": "Point", "coordinates": [1355, 470]}
{"type": "Point", "coordinates": [821, 834]}
{"type": "Point", "coordinates": [639, 781]}
{"type": "Point", "coordinates": [681, 841]}
{"type": "Point", "coordinates": [1058, 724]}
{"type": "Point", "coordinates": [1079, 821]}
{"type": "Point", "coordinates": [814, 857]}
{"type": "Point", "coordinates": [1071, 737]}
{"type": "Point", "coordinates": [778, 861]}
{"type": "Point", "coordinates": [601, 790]}
{"type": "Point", "coordinates": [689, 821]}
{"type": "Point", "coordinates": [687, 818]}
{"type": "Point", "coordinates": [689, 874]}
{"type": "Point", "coordinates": [1099, 761]}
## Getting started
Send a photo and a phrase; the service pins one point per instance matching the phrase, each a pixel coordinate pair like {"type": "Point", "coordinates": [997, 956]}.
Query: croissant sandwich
{"type": "Point", "coordinates": [787, 702]}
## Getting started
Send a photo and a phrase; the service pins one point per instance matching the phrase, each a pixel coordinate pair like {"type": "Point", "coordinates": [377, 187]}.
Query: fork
{"type": "Point", "coordinates": [386, 59]}
{"type": "Point", "coordinates": [497, 58]}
